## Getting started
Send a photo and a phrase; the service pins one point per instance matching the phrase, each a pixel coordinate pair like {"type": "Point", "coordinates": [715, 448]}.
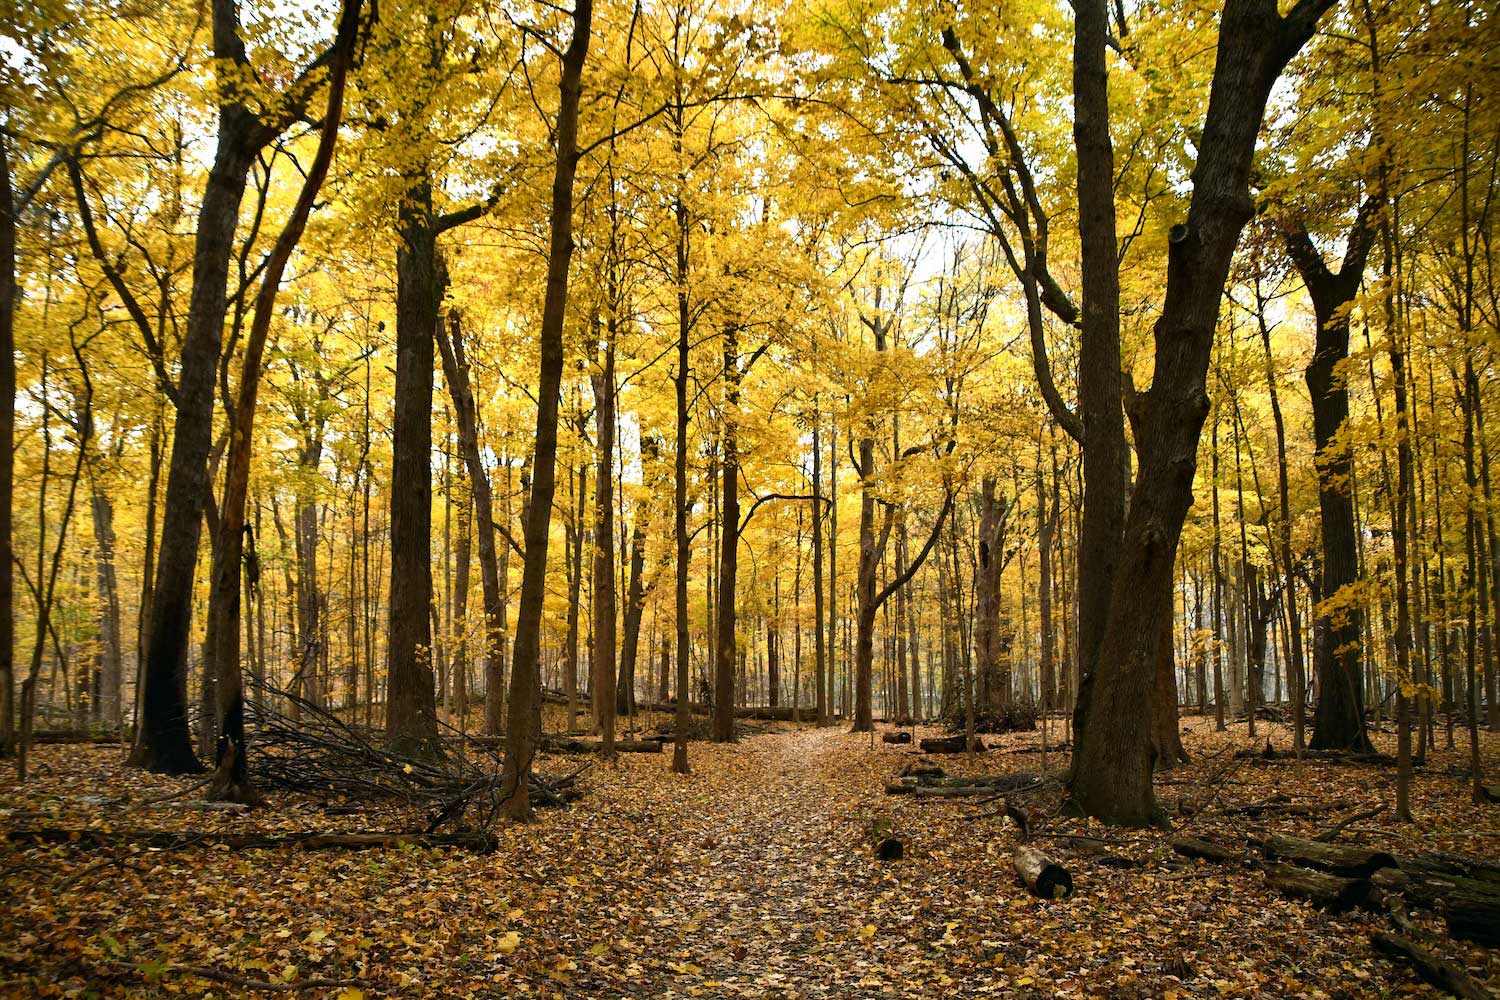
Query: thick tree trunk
{"type": "Point", "coordinates": [870, 549]}
{"type": "Point", "coordinates": [165, 744]}
{"type": "Point", "coordinates": [524, 719]}
{"type": "Point", "coordinates": [1106, 458]}
{"type": "Point", "coordinates": [1114, 752]}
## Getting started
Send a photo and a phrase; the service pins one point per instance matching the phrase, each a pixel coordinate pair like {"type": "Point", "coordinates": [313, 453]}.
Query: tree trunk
{"type": "Point", "coordinates": [466, 416]}
{"type": "Point", "coordinates": [604, 610]}
{"type": "Point", "coordinates": [729, 541]}
{"type": "Point", "coordinates": [1339, 723]}
{"type": "Point", "coordinates": [680, 491]}
{"type": "Point", "coordinates": [7, 450]}
{"type": "Point", "coordinates": [820, 661]}
{"type": "Point", "coordinates": [109, 605]}
{"type": "Point", "coordinates": [524, 720]}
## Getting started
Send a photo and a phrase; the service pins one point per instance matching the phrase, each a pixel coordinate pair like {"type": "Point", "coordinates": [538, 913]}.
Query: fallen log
{"type": "Point", "coordinates": [1207, 850]}
{"type": "Point", "coordinates": [1448, 863]}
{"type": "Point", "coordinates": [896, 737]}
{"type": "Point", "coordinates": [168, 840]}
{"type": "Point", "coordinates": [949, 744]}
{"type": "Point", "coordinates": [968, 784]}
{"type": "Point", "coordinates": [1433, 890]}
{"type": "Point", "coordinates": [574, 744]}
{"type": "Point", "coordinates": [1329, 892]}
{"type": "Point", "coordinates": [1473, 917]}
{"type": "Point", "coordinates": [1042, 876]}
{"type": "Point", "coordinates": [949, 791]}
{"type": "Point", "coordinates": [44, 737]}
{"type": "Point", "coordinates": [916, 770]}
{"type": "Point", "coordinates": [1439, 972]}
{"type": "Point", "coordinates": [1336, 859]}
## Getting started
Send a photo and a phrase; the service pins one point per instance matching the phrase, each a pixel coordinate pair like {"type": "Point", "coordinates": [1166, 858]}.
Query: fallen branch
{"type": "Point", "coordinates": [1439, 972]}
{"type": "Point", "coordinates": [1332, 832]}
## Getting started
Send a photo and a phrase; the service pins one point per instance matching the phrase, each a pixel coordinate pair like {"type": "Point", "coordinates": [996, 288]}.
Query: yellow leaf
{"type": "Point", "coordinates": [509, 942]}
{"type": "Point", "coordinates": [351, 993]}
{"type": "Point", "coordinates": [866, 932]}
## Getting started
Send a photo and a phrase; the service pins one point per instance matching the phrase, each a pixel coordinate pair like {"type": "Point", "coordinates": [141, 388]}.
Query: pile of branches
{"type": "Point", "coordinates": [458, 781]}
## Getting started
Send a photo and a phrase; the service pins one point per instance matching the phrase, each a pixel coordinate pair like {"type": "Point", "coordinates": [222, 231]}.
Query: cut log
{"type": "Point", "coordinates": [915, 770]}
{"type": "Point", "coordinates": [1329, 892]}
{"type": "Point", "coordinates": [167, 840]}
{"type": "Point", "coordinates": [1208, 850]}
{"type": "Point", "coordinates": [900, 736]}
{"type": "Point", "coordinates": [1440, 972]}
{"type": "Point", "coordinates": [1336, 859]}
{"type": "Point", "coordinates": [1042, 876]}
{"type": "Point", "coordinates": [949, 744]}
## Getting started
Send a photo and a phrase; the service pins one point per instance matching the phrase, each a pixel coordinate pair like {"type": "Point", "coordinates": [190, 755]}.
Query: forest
{"type": "Point", "coordinates": [512, 496]}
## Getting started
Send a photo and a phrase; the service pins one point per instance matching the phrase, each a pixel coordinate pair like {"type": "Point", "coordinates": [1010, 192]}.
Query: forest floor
{"type": "Point", "coordinates": [753, 877]}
